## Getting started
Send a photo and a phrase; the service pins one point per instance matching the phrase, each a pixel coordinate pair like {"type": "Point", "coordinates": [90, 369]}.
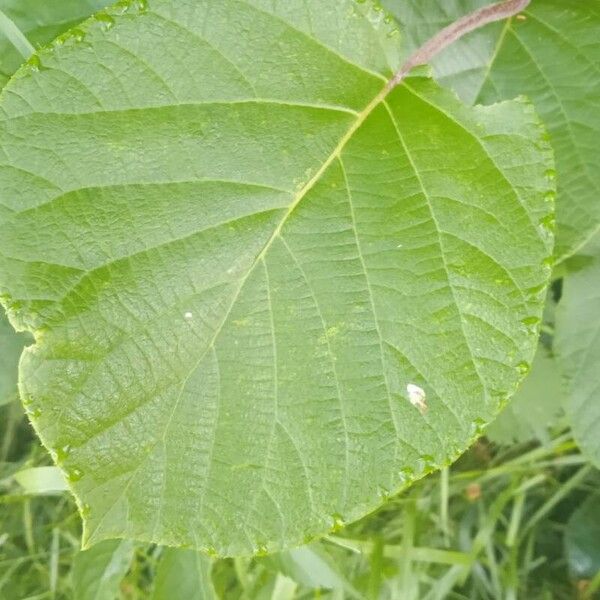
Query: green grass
{"type": "Point", "coordinates": [489, 527]}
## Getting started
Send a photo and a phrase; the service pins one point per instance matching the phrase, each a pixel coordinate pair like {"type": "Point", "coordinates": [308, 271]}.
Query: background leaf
{"type": "Point", "coordinates": [11, 346]}
{"type": "Point", "coordinates": [535, 408]}
{"type": "Point", "coordinates": [97, 572]}
{"type": "Point", "coordinates": [551, 54]}
{"type": "Point", "coordinates": [578, 346]}
{"type": "Point", "coordinates": [311, 569]}
{"type": "Point", "coordinates": [41, 480]}
{"type": "Point", "coordinates": [227, 308]}
{"type": "Point", "coordinates": [183, 575]}
{"type": "Point", "coordinates": [582, 539]}
{"type": "Point", "coordinates": [285, 588]}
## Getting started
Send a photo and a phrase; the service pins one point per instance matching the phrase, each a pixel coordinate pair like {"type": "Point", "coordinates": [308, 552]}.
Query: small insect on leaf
{"type": "Point", "coordinates": [417, 397]}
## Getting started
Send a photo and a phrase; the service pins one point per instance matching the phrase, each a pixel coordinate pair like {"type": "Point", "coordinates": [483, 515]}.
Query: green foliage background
{"type": "Point", "coordinates": [514, 517]}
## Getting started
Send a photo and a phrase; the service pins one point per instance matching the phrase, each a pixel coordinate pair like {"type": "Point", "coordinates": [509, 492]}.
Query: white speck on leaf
{"type": "Point", "coordinates": [188, 316]}
{"type": "Point", "coordinates": [417, 397]}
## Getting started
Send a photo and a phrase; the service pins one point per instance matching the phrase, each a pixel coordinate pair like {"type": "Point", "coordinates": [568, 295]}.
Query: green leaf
{"type": "Point", "coordinates": [536, 407]}
{"type": "Point", "coordinates": [11, 346]}
{"type": "Point", "coordinates": [183, 575]}
{"type": "Point", "coordinates": [40, 22]}
{"type": "Point", "coordinates": [577, 345]}
{"type": "Point", "coordinates": [247, 246]}
{"type": "Point", "coordinates": [284, 589]}
{"type": "Point", "coordinates": [41, 480]}
{"type": "Point", "coordinates": [551, 54]}
{"type": "Point", "coordinates": [98, 572]}
{"type": "Point", "coordinates": [310, 568]}
{"type": "Point", "coordinates": [582, 539]}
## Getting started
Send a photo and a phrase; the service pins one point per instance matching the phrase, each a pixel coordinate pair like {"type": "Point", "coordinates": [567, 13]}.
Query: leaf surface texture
{"type": "Point", "coordinates": [245, 247]}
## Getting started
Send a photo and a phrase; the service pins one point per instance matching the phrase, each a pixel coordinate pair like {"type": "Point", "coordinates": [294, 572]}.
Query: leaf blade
{"type": "Point", "coordinates": [182, 575]}
{"type": "Point", "coordinates": [253, 350]}
{"type": "Point", "coordinates": [97, 573]}
{"type": "Point", "coordinates": [578, 348]}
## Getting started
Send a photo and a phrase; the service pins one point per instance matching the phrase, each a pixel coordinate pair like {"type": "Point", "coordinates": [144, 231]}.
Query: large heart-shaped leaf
{"type": "Point", "coordinates": [551, 54]}
{"type": "Point", "coordinates": [247, 243]}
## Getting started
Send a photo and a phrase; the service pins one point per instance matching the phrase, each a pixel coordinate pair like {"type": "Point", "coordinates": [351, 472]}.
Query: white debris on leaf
{"type": "Point", "coordinates": [417, 397]}
{"type": "Point", "coordinates": [188, 316]}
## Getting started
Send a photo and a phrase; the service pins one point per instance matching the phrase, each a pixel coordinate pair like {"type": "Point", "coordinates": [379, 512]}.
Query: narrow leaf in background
{"type": "Point", "coordinates": [39, 22]}
{"type": "Point", "coordinates": [551, 54]}
{"type": "Point", "coordinates": [311, 569]}
{"type": "Point", "coordinates": [15, 36]}
{"type": "Point", "coordinates": [41, 480]}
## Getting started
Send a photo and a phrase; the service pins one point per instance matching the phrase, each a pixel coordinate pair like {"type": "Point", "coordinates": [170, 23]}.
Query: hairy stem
{"type": "Point", "coordinates": [449, 35]}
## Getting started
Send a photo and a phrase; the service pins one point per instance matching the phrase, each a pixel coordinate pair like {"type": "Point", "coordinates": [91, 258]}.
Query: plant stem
{"type": "Point", "coordinates": [452, 33]}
